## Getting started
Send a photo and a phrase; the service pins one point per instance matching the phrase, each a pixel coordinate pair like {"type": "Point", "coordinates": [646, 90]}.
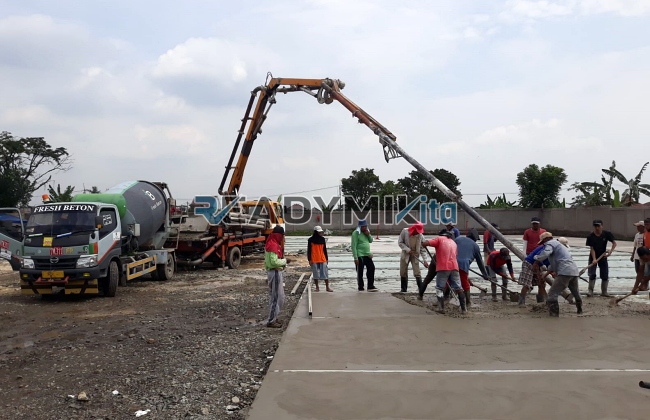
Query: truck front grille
{"type": "Point", "coordinates": [63, 263]}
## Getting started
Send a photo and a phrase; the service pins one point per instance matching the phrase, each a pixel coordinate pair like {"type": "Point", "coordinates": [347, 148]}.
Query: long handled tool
{"type": "Point", "coordinates": [614, 301]}
{"type": "Point", "coordinates": [514, 296]}
{"type": "Point", "coordinates": [582, 271]}
{"type": "Point", "coordinates": [645, 385]}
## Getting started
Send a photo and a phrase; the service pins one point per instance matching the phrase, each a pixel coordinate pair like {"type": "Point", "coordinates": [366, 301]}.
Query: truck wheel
{"type": "Point", "coordinates": [122, 279]}
{"type": "Point", "coordinates": [111, 281]}
{"type": "Point", "coordinates": [234, 257]}
{"type": "Point", "coordinates": [166, 271]}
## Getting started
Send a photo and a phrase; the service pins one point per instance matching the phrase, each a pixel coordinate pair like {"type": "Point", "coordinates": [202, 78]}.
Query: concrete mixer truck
{"type": "Point", "coordinates": [98, 241]}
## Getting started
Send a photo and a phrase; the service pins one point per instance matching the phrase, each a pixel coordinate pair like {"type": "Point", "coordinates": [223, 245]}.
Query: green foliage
{"type": "Point", "coordinates": [416, 184]}
{"type": "Point", "coordinates": [391, 189]}
{"type": "Point", "coordinates": [26, 165]}
{"type": "Point", "coordinates": [57, 196]}
{"type": "Point", "coordinates": [603, 193]}
{"type": "Point", "coordinates": [498, 203]}
{"type": "Point", "coordinates": [359, 187]}
{"type": "Point", "coordinates": [540, 187]}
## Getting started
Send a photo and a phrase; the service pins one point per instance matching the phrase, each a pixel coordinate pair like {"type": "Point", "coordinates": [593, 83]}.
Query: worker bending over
{"type": "Point", "coordinates": [447, 269]}
{"type": "Point", "coordinates": [497, 262]}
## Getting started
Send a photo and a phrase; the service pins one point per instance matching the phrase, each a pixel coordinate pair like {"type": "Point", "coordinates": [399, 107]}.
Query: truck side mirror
{"type": "Point", "coordinates": [99, 222]}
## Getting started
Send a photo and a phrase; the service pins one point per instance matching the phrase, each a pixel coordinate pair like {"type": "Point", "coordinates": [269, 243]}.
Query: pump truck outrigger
{"type": "Point", "coordinates": [98, 241]}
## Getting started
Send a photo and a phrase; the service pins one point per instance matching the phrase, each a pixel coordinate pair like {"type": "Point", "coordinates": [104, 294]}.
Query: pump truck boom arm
{"type": "Point", "coordinates": [327, 91]}
{"type": "Point", "coordinates": [324, 90]}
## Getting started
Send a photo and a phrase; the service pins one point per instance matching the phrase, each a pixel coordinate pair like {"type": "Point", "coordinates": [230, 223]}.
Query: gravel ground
{"type": "Point", "coordinates": [186, 348]}
{"type": "Point", "coordinates": [596, 306]}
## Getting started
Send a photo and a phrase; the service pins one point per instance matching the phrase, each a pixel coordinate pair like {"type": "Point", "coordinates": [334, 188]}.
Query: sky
{"type": "Point", "coordinates": [155, 90]}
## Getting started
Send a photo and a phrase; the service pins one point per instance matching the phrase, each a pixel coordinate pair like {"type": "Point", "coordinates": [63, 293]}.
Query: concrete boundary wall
{"type": "Point", "coordinates": [568, 222]}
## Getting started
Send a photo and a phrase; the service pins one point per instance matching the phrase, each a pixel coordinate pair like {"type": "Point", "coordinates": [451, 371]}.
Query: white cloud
{"type": "Point", "coordinates": [541, 9]}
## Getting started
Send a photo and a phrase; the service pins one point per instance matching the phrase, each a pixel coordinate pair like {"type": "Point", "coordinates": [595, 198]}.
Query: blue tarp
{"type": "Point", "coordinates": [8, 217]}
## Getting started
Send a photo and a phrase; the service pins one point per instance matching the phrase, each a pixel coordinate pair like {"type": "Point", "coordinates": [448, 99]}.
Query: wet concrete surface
{"type": "Point", "coordinates": [386, 258]}
{"type": "Point", "coordinates": [373, 356]}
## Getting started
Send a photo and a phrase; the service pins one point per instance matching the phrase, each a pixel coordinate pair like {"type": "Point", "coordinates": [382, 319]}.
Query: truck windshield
{"type": "Point", "coordinates": [58, 223]}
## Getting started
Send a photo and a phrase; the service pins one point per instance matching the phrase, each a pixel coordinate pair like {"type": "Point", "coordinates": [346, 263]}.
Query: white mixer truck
{"type": "Point", "coordinates": [98, 241]}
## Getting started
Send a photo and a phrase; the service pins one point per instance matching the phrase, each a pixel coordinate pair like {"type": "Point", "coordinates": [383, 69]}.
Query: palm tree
{"type": "Point", "coordinates": [634, 188]}
{"type": "Point", "coordinates": [58, 196]}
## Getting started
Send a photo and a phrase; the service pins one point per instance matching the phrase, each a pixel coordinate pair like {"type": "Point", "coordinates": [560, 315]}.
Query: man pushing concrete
{"type": "Point", "coordinates": [410, 242]}
{"type": "Point", "coordinates": [497, 262]}
{"type": "Point", "coordinates": [566, 269]}
{"type": "Point", "coordinates": [447, 269]}
{"type": "Point", "coordinates": [468, 251]}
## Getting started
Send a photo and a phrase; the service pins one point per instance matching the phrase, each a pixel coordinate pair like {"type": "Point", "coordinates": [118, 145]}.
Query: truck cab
{"type": "Point", "coordinates": [12, 230]}
{"type": "Point", "coordinates": [69, 246]}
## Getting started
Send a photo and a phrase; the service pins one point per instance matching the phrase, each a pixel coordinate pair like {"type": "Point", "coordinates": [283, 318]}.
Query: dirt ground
{"type": "Point", "coordinates": [596, 306]}
{"type": "Point", "coordinates": [185, 348]}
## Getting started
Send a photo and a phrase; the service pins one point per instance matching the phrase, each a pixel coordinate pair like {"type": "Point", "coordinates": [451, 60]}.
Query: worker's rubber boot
{"type": "Point", "coordinates": [504, 293]}
{"type": "Point", "coordinates": [418, 281]}
{"type": "Point", "coordinates": [603, 289]}
{"type": "Point", "coordinates": [579, 307]}
{"type": "Point", "coordinates": [590, 291]}
{"type": "Point", "coordinates": [461, 299]}
{"type": "Point", "coordinates": [441, 305]}
{"type": "Point", "coordinates": [522, 300]}
{"type": "Point", "coordinates": [468, 302]}
{"type": "Point", "coordinates": [422, 289]}
{"type": "Point", "coordinates": [540, 298]}
{"type": "Point", "coordinates": [447, 293]}
{"type": "Point", "coordinates": [553, 309]}
{"type": "Point", "coordinates": [494, 292]}
{"type": "Point", "coordinates": [404, 283]}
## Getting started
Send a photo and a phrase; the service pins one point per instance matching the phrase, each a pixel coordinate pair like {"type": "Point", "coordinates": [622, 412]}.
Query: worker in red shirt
{"type": "Point", "coordinates": [497, 262]}
{"type": "Point", "coordinates": [532, 234]}
{"type": "Point", "coordinates": [446, 269]}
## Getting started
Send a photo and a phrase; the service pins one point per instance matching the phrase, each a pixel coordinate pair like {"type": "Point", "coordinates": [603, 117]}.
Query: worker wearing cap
{"type": "Point", "coordinates": [564, 267]}
{"type": "Point", "coordinates": [361, 240]}
{"type": "Point", "coordinates": [597, 241]}
{"type": "Point", "coordinates": [642, 278]}
{"type": "Point", "coordinates": [451, 227]}
{"type": "Point", "coordinates": [638, 243]}
{"type": "Point", "coordinates": [497, 263]}
{"type": "Point", "coordinates": [317, 257]}
{"type": "Point", "coordinates": [446, 269]}
{"type": "Point", "coordinates": [488, 242]}
{"type": "Point", "coordinates": [531, 235]}
{"type": "Point", "coordinates": [410, 242]}
{"type": "Point", "coordinates": [468, 251]}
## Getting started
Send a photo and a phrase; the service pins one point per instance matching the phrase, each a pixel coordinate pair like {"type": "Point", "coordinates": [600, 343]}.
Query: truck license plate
{"type": "Point", "coordinates": [52, 274]}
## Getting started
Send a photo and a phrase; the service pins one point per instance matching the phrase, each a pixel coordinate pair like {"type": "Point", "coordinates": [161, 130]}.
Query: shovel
{"type": "Point", "coordinates": [582, 271]}
{"type": "Point", "coordinates": [514, 296]}
{"type": "Point", "coordinates": [614, 301]}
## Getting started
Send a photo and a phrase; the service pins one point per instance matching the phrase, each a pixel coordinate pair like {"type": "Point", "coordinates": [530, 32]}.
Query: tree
{"type": "Point", "coordinates": [604, 194]}
{"type": "Point", "coordinates": [540, 187]}
{"type": "Point", "coordinates": [391, 189]}
{"type": "Point", "coordinates": [360, 186]}
{"type": "Point", "coordinates": [416, 184]}
{"type": "Point", "coordinates": [634, 188]}
{"type": "Point", "coordinates": [56, 196]}
{"type": "Point", "coordinates": [95, 190]}
{"type": "Point", "coordinates": [26, 165]}
{"type": "Point", "coordinates": [498, 203]}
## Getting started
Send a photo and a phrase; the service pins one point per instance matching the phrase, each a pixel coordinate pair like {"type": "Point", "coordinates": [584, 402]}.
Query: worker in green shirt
{"type": "Point", "coordinates": [361, 240]}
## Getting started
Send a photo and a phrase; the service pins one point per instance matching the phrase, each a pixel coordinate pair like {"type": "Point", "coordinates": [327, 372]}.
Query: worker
{"type": "Point", "coordinates": [566, 270]}
{"type": "Point", "coordinates": [451, 227]}
{"type": "Point", "coordinates": [361, 240]}
{"type": "Point", "coordinates": [317, 257]}
{"type": "Point", "coordinates": [410, 241]}
{"type": "Point", "coordinates": [468, 251]}
{"type": "Point", "coordinates": [642, 278]}
{"type": "Point", "coordinates": [497, 262]}
{"type": "Point", "coordinates": [447, 269]}
{"type": "Point", "coordinates": [638, 243]}
{"type": "Point", "coordinates": [488, 242]}
{"type": "Point", "coordinates": [275, 264]}
{"type": "Point", "coordinates": [529, 277]}
{"type": "Point", "coordinates": [597, 242]}
{"type": "Point", "coordinates": [531, 235]}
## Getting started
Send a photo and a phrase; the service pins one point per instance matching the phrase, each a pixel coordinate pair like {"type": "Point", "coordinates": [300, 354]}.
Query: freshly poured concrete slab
{"type": "Point", "coordinates": [373, 356]}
